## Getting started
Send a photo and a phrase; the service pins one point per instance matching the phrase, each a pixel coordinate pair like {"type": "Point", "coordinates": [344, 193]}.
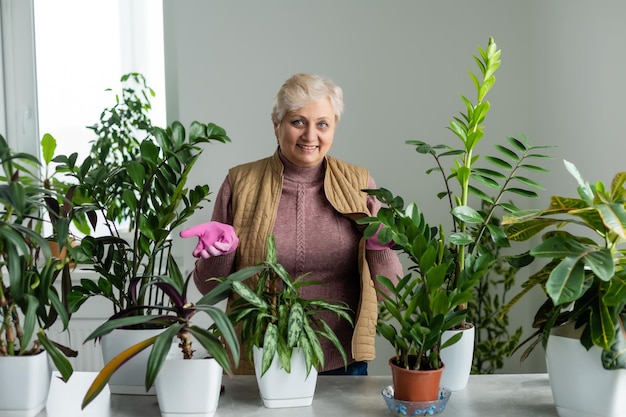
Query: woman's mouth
{"type": "Point", "coordinates": [308, 147]}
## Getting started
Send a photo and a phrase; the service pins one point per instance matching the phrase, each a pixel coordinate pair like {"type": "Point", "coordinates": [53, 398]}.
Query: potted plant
{"type": "Point", "coordinates": [155, 189]}
{"type": "Point", "coordinates": [30, 303]}
{"type": "Point", "coordinates": [581, 323]}
{"type": "Point", "coordinates": [417, 310]}
{"type": "Point", "coordinates": [183, 386]}
{"type": "Point", "coordinates": [463, 179]}
{"type": "Point", "coordinates": [60, 204]}
{"type": "Point", "coordinates": [281, 331]}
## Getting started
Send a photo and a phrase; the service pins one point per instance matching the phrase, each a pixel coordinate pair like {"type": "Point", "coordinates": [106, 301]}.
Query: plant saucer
{"type": "Point", "coordinates": [416, 408]}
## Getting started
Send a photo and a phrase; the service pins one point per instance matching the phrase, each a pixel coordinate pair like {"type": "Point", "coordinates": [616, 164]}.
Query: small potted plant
{"type": "Point", "coordinates": [281, 331]}
{"type": "Point", "coordinates": [465, 179]}
{"type": "Point", "coordinates": [581, 322]}
{"type": "Point", "coordinates": [31, 300]}
{"type": "Point", "coordinates": [187, 380]}
{"type": "Point", "coordinates": [155, 190]}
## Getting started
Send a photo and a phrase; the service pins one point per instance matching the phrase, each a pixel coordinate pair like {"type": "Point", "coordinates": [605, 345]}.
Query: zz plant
{"type": "Point", "coordinates": [467, 186]}
{"type": "Point", "coordinates": [155, 191]}
{"type": "Point", "coordinates": [274, 316]}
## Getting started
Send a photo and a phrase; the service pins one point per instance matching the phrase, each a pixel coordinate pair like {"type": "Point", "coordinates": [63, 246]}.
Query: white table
{"type": "Point", "coordinates": [520, 395]}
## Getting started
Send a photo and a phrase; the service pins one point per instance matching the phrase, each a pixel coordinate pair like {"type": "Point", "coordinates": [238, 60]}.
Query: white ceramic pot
{"type": "Point", "coordinates": [65, 398]}
{"type": "Point", "coordinates": [581, 387]}
{"type": "Point", "coordinates": [458, 359]}
{"type": "Point", "coordinates": [24, 382]}
{"type": "Point", "coordinates": [189, 387]}
{"type": "Point", "coordinates": [279, 389]}
{"type": "Point", "coordinates": [131, 377]}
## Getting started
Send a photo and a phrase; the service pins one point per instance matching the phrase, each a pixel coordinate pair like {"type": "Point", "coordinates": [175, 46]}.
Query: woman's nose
{"type": "Point", "coordinates": [308, 133]}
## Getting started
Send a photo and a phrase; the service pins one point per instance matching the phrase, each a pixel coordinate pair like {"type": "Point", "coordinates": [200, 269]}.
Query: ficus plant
{"type": "Point", "coordinates": [274, 316]}
{"type": "Point", "coordinates": [119, 131]}
{"type": "Point", "coordinates": [467, 185]}
{"type": "Point", "coordinates": [583, 246]}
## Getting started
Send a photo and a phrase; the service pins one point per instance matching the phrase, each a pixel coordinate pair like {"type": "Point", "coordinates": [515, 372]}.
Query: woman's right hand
{"type": "Point", "coordinates": [214, 239]}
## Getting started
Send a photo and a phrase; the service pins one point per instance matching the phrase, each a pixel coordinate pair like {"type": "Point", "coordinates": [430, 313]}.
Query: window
{"type": "Point", "coordinates": [82, 48]}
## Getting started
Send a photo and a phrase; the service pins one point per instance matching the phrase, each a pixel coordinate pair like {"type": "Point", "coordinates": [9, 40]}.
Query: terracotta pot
{"type": "Point", "coordinates": [54, 249]}
{"type": "Point", "coordinates": [411, 385]}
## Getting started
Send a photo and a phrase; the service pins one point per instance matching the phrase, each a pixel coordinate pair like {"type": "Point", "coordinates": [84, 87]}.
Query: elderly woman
{"type": "Point", "coordinates": [308, 200]}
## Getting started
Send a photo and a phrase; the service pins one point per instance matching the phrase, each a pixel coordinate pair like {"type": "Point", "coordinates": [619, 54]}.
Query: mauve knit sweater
{"type": "Point", "coordinates": [311, 236]}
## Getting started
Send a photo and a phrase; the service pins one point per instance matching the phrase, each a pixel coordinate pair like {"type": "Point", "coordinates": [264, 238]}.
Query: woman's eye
{"type": "Point", "coordinates": [297, 122]}
{"type": "Point", "coordinates": [323, 125]}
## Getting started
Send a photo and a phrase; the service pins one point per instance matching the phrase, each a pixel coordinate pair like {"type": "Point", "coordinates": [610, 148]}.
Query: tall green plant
{"type": "Point", "coordinates": [494, 340]}
{"type": "Point", "coordinates": [503, 179]}
{"type": "Point", "coordinates": [29, 301]}
{"type": "Point", "coordinates": [466, 182]}
{"type": "Point", "coordinates": [119, 132]}
{"type": "Point", "coordinates": [465, 178]}
{"type": "Point", "coordinates": [159, 200]}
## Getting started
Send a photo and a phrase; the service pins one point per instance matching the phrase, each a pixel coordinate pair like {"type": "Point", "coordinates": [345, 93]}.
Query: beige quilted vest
{"type": "Point", "coordinates": [256, 189]}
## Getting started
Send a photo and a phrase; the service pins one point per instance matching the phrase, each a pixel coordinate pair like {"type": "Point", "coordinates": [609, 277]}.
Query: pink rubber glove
{"type": "Point", "coordinates": [374, 244]}
{"type": "Point", "coordinates": [214, 239]}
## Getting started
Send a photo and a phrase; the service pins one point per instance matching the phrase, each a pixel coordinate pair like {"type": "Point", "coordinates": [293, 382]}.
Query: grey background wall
{"type": "Point", "coordinates": [402, 65]}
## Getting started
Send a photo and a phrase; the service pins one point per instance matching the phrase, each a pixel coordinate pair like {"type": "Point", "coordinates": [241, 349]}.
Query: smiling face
{"type": "Point", "coordinates": [306, 134]}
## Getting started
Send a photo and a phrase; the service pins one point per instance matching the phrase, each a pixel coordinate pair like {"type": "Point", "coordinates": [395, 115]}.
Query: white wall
{"type": "Point", "coordinates": [402, 65]}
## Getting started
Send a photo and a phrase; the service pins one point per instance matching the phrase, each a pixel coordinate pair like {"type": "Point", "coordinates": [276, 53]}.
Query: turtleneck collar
{"type": "Point", "coordinates": [301, 174]}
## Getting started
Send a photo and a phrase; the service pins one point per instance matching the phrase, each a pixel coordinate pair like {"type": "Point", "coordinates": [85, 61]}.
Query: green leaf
{"type": "Point", "coordinates": [137, 173]}
{"type": "Point", "coordinates": [48, 147]}
{"type": "Point", "coordinates": [489, 182]}
{"type": "Point", "coordinates": [460, 239]}
{"type": "Point", "coordinates": [533, 168]}
{"type": "Point", "coordinates": [525, 193]}
{"type": "Point", "coordinates": [498, 236]}
{"type": "Point", "coordinates": [467, 214]}
{"type": "Point", "coordinates": [62, 364]}
{"type": "Point", "coordinates": [614, 217]}
{"type": "Point", "coordinates": [489, 173]}
{"type": "Point", "coordinates": [508, 153]}
{"type": "Point", "coordinates": [529, 182]}
{"type": "Point", "coordinates": [566, 281]}
{"type": "Point", "coordinates": [602, 326]}
{"type": "Point", "coordinates": [250, 296]}
{"type": "Point", "coordinates": [517, 143]}
{"type": "Point", "coordinates": [294, 328]}
{"type": "Point", "coordinates": [270, 345]}
{"type": "Point", "coordinates": [158, 354]}
{"type": "Point", "coordinates": [499, 163]}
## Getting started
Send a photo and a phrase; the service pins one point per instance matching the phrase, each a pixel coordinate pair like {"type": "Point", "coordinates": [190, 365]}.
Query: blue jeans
{"type": "Point", "coordinates": [355, 368]}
